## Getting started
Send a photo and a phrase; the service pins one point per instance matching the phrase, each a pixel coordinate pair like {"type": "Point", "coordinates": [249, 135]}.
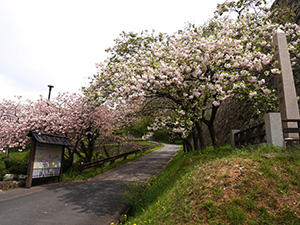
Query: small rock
{"type": "Point", "coordinates": [8, 177]}
{"type": "Point", "coordinates": [269, 155]}
{"type": "Point", "coordinates": [22, 177]}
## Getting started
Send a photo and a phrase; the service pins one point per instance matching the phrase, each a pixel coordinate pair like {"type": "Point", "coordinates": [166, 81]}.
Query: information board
{"type": "Point", "coordinates": [46, 156]}
{"type": "Point", "coordinates": [47, 160]}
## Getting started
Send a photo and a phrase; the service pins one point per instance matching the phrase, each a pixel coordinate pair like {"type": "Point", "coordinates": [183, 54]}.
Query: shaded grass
{"type": "Point", "coordinates": [248, 186]}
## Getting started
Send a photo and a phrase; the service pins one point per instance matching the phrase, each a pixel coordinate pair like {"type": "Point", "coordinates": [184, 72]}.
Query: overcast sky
{"type": "Point", "coordinates": [58, 42]}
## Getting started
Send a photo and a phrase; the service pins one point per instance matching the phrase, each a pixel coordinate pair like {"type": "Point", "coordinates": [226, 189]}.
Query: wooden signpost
{"type": "Point", "coordinates": [46, 156]}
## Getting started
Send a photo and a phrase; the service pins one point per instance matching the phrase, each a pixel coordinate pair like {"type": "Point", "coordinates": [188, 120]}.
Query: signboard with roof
{"type": "Point", "coordinates": [46, 156]}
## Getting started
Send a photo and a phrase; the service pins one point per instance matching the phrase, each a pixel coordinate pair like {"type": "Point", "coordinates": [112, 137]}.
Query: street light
{"type": "Point", "coordinates": [50, 88]}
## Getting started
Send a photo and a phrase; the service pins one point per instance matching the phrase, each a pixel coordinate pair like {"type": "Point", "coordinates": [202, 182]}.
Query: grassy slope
{"type": "Point", "coordinates": [253, 186]}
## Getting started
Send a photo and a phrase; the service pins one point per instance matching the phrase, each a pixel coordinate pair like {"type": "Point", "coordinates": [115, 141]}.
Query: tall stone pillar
{"type": "Point", "coordinates": [288, 104]}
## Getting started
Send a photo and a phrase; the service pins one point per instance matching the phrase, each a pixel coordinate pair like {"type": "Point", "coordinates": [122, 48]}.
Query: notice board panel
{"type": "Point", "coordinates": [46, 156]}
{"type": "Point", "coordinates": [47, 160]}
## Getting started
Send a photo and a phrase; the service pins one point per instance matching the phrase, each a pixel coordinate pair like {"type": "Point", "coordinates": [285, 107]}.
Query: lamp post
{"type": "Point", "coordinates": [50, 88]}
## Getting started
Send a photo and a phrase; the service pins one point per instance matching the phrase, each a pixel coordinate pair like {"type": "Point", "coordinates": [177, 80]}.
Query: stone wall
{"type": "Point", "coordinates": [232, 114]}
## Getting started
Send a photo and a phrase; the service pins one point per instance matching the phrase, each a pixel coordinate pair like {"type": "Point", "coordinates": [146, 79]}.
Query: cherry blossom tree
{"type": "Point", "coordinates": [71, 115]}
{"type": "Point", "coordinates": [199, 68]}
{"type": "Point", "coordinates": [11, 113]}
{"type": "Point", "coordinates": [83, 122]}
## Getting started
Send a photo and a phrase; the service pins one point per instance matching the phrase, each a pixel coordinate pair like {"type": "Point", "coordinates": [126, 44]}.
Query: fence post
{"type": "Point", "coordinates": [274, 134]}
{"type": "Point", "coordinates": [232, 139]}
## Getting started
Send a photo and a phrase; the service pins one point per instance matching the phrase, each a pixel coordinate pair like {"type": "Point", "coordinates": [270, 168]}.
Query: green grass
{"type": "Point", "coordinates": [15, 155]}
{"type": "Point", "coordinates": [249, 186]}
{"type": "Point", "coordinates": [145, 143]}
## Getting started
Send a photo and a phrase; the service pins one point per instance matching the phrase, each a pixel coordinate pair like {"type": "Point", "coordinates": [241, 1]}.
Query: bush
{"type": "Point", "coordinates": [16, 165]}
{"type": "Point", "coordinates": [3, 169]}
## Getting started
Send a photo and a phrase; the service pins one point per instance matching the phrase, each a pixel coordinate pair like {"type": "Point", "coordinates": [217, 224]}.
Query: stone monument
{"type": "Point", "coordinates": [288, 104]}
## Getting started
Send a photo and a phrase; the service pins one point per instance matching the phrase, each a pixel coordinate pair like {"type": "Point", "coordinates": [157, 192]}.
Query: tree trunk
{"type": "Point", "coordinates": [187, 147]}
{"type": "Point", "coordinates": [210, 125]}
{"type": "Point", "coordinates": [71, 157]}
{"type": "Point", "coordinates": [200, 135]}
{"type": "Point", "coordinates": [105, 151]}
{"type": "Point", "coordinates": [212, 133]}
{"type": "Point", "coordinates": [90, 149]}
{"type": "Point", "coordinates": [184, 145]}
{"type": "Point", "coordinates": [7, 152]}
{"type": "Point", "coordinates": [119, 148]}
{"type": "Point", "coordinates": [196, 140]}
{"type": "Point", "coordinates": [68, 160]}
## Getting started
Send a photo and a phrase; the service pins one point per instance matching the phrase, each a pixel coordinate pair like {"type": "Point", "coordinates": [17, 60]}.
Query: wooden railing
{"type": "Point", "coordinates": [291, 142]}
{"type": "Point", "coordinates": [112, 159]}
{"type": "Point", "coordinates": [277, 133]}
{"type": "Point", "coordinates": [292, 129]}
{"type": "Point", "coordinates": [251, 136]}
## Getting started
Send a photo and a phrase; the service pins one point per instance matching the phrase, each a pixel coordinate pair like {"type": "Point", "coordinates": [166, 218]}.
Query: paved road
{"type": "Point", "coordinates": [97, 201]}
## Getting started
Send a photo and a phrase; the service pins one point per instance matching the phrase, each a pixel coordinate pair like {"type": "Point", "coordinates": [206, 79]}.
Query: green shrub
{"type": "Point", "coordinates": [3, 169]}
{"type": "Point", "coordinates": [17, 165]}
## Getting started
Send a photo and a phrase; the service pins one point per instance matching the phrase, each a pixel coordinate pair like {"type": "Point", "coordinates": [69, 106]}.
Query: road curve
{"type": "Point", "coordinates": [96, 201]}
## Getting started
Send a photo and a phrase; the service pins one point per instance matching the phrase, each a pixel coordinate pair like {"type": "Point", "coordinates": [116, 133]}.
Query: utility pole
{"type": "Point", "coordinates": [50, 88]}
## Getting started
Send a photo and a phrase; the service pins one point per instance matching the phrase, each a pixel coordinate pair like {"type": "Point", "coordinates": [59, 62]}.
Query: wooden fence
{"type": "Point", "coordinates": [257, 134]}
{"type": "Point", "coordinates": [293, 129]}
{"type": "Point", "coordinates": [251, 136]}
{"type": "Point", "coordinates": [112, 159]}
{"type": "Point", "coordinates": [291, 142]}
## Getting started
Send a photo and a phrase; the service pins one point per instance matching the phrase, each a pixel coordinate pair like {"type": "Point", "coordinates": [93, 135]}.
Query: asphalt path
{"type": "Point", "coordinates": [96, 201]}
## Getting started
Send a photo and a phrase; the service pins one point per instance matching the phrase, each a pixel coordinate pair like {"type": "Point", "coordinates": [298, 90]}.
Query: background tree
{"type": "Point", "coordinates": [71, 115]}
